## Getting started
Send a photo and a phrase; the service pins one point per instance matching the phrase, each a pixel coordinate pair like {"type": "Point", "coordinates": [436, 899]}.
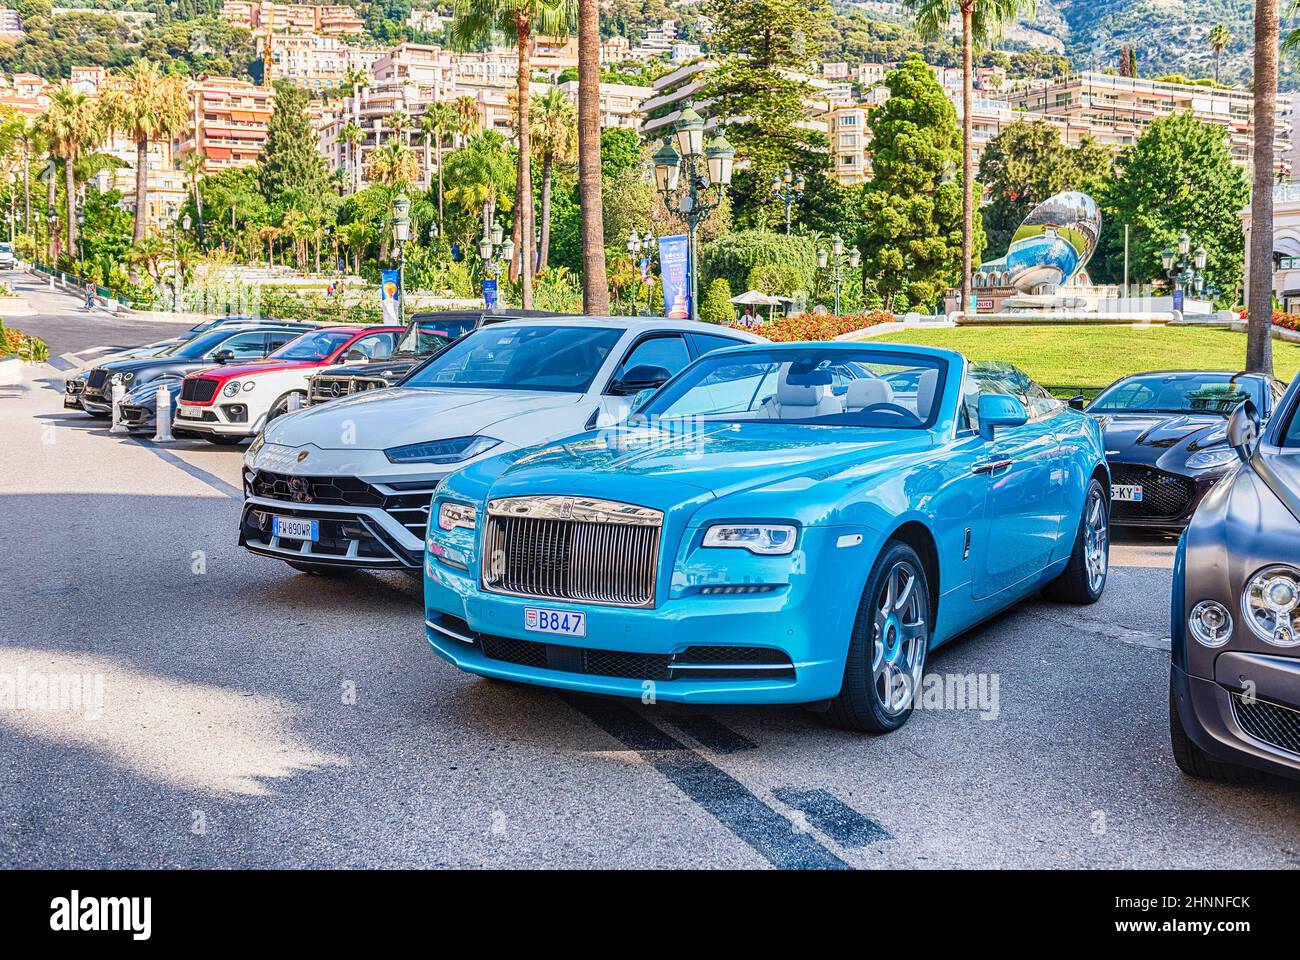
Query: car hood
{"type": "Point", "coordinates": [400, 415]}
{"type": "Point", "coordinates": [1149, 436]}
{"type": "Point", "coordinates": [633, 462]}
{"type": "Point", "coordinates": [230, 371]}
{"type": "Point", "coordinates": [138, 364]}
{"type": "Point", "coordinates": [1281, 471]}
{"type": "Point", "coordinates": [387, 369]}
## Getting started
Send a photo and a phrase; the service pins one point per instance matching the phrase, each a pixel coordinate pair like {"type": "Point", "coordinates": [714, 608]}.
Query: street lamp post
{"type": "Point", "coordinates": [401, 234]}
{"type": "Point", "coordinates": [177, 227]}
{"type": "Point", "coordinates": [692, 179]}
{"type": "Point", "coordinates": [837, 261]}
{"type": "Point", "coordinates": [495, 249]}
{"type": "Point", "coordinates": [1185, 267]}
{"type": "Point", "coordinates": [788, 188]}
{"type": "Point", "coordinates": [636, 246]}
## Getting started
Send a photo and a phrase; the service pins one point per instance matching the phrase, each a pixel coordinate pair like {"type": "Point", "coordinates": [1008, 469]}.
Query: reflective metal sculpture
{"type": "Point", "coordinates": [1049, 248]}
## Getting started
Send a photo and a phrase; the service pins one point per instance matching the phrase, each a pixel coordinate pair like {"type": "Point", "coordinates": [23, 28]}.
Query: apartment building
{"type": "Point", "coordinates": [335, 19]}
{"type": "Point", "coordinates": [620, 103]}
{"type": "Point", "coordinates": [851, 163]}
{"type": "Point", "coordinates": [167, 189]}
{"type": "Point", "coordinates": [228, 121]}
{"type": "Point", "coordinates": [11, 24]}
{"type": "Point", "coordinates": [1136, 101]}
{"type": "Point", "coordinates": [316, 61]}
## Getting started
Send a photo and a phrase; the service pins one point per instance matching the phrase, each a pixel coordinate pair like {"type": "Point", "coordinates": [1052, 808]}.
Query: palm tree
{"type": "Point", "coordinates": [555, 125]}
{"type": "Point", "coordinates": [595, 282]}
{"type": "Point", "coordinates": [192, 165]}
{"type": "Point", "coordinates": [467, 117]}
{"type": "Point", "coordinates": [400, 121]}
{"type": "Point", "coordinates": [353, 77]}
{"type": "Point", "coordinates": [981, 21]}
{"type": "Point", "coordinates": [352, 135]}
{"type": "Point", "coordinates": [476, 21]}
{"type": "Point", "coordinates": [32, 143]}
{"type": "Point", "coordinates": [1259, 284]}
{"type": "Point", "coordinates": [149, 107]}
{"type": "Point", "coordinates": [75, 125]}
{"type": "Point", "coordinates": [439, 119]}
{"type": "Point", "coordinates": [392, 165]}
{"type": "Point", "coordinates": [1220, 37]}
{"type": "Point", "coordinates": [479, 174]}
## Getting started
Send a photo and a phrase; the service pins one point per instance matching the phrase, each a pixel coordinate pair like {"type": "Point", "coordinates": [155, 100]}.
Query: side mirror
{"type": "Point", "coordinates": [640, 399]}
{"type": "Point", "coordinates": [643, 376]}
{"type": "Point", "coordinates": [1077, 403]}
{"type": "Point", "coordinates": [998, 410]}
{"type": "Point", "coordinates": [224, 356]}
{"type": "Point", "coordinates": [1243, 429]}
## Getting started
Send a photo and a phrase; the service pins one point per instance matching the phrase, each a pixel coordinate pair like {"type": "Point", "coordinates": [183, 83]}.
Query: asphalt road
{"type": "Point", "coordinates": [253, 716]}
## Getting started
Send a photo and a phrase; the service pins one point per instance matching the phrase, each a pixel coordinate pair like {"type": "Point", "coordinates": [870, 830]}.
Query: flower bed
{"type": "Point", "coordinates": [1287, 321]}
{"type": "Point", "coordinates": [16, 343]}
{"type": "Point", "coordinates": [818, 326]}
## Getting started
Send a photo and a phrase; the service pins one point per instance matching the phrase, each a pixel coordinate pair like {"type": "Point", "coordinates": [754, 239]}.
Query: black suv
{"type": "Point", "coordinates": [425, 335]}
{"type": "Point", "coordinates": [224, 344]}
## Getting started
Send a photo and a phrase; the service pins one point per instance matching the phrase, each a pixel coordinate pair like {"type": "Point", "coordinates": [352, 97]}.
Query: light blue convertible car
{"type": "Point", "coordinates": [777, 524]}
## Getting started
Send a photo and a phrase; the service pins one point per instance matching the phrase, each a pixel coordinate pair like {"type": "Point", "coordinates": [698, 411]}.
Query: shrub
{"type": "Point", "coordinates": [16, 343]}
{"type": "Point", "coordinates": [733, 256]}
{"type": "Point", "coordinates": [775, 279]}
{"type": "Point", "coordinates": [716, 305]}
{"type": "Point", "coordinates": [801, 327]}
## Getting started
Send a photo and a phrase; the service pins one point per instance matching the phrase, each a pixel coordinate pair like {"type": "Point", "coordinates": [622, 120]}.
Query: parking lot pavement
{"type": "Point", "coordinates": [253, 716]}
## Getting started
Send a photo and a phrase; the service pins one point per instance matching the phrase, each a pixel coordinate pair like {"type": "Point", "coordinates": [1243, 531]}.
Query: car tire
{"type": "Point", "coordinates": [897, 584]}
{"type": "Point", "coordinates": [1084, 579]}
{"type": "Point", "coordinates": [223, 441]}
{"type": "Point", "coordinates": [319, 569]}
{"type": "Point", "coordinates": [1194, 761]}
{"type": "Point", "coordinates": [281, 405]}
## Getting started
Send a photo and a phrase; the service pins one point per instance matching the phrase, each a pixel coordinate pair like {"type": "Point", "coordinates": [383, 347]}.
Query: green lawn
{"type": "Point", "coordinates": [1083, 359]}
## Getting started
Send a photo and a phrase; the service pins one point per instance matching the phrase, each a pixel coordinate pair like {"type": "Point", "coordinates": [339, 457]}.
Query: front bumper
{"type": "Point", "coordinates": [787, 649]}
{"type": "Point", "coordinates": [214, 419]}
{"type": "Point", "coordinates": [1260, 729]}
{"type": "Point", "coordinates": [1169, 500]}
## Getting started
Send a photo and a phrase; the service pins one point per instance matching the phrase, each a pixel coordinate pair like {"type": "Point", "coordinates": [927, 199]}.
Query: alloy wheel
{"type": "Point", "coordinates": [900, 638]}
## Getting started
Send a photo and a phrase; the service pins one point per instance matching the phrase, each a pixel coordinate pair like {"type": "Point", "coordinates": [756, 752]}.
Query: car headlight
{"type": "Point", "coordinates": [231, 389]}
{"type": "Point", "coordinates": [769, 539]}
{"type": "Point", "coordinates": [1269, 602]}
{"type": "Point", "coordinates": [256, 445]}
{"type": "Point", "coordinates": [1211, 458]}
{"type": "Point", "coordinates": [453, 515]}
{"type": "Point", "coordinates": [1210, 623]}
{"type": "Point", "coordinates": [441, 451]}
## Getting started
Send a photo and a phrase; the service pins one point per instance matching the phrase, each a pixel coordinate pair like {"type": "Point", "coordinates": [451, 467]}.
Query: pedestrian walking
{"type": "Point", "coordinates": [90, 295]}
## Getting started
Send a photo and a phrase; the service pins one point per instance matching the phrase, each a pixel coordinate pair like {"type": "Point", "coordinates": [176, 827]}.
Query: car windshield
{"type": "Point", "coordinates": [864, 388]}
{"type": "Point", "coordinates": [1173, 393]}
{"type": "Point", "coordinates": [517, 357]}
{"type": "Point", "coordinates": [317, 345]}
{"type": "Point", "coordinates": [424, 337]}
{"type": "Point", "coordinates": [200, 346]}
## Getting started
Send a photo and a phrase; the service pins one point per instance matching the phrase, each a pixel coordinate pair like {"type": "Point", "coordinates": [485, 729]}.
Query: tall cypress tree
{"type": "Point", "coordinates": [291, 165]}
{"type": "Point", "coordinates": [911, 233]}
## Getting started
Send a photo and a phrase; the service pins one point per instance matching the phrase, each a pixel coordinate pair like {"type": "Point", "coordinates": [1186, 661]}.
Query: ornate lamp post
{"type": "Point", "coordinates": [837, 261]}
{"type": "Point", "coordinates": [177, 227]}
{"type": "Point", "coordinates": [637, 246]}
{"type": "Point", "coordinates": [1185, 267]}
{"type": "Point", "coordinates": [692, 179]}
{"type": "Point", "coordinates": [496, 249]}
{"type": "Point", "coordinates": [788, 188]}
{"type": "Point", "coordinates": [401, 234]}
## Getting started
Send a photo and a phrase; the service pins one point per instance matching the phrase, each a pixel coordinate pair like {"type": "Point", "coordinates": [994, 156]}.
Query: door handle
{"type": "Point", "coordinates": [990, 466]}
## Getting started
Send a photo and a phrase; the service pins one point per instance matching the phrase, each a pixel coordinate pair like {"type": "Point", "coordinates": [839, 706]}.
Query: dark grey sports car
{"type": "Point", "coordinates": [1165, 439]}
{"type": "Point", "coordinates": [1234, 684]}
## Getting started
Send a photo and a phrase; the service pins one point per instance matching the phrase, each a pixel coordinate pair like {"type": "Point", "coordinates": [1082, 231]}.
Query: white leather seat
{"type": "Point", "coordinates": [867, 392]}
{"type": "Point", "coordinates": [798, 401]}
{"type": "Point", "coordinates": [925, 393]}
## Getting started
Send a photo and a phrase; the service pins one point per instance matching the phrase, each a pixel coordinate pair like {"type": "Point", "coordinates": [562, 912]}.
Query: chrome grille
{"type": "Point", "coordinates": [329, 388]}
{"type": "Point", "coordinates": [1269, 722]}
{"type": "Point", "coordinates": [572, 548]}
